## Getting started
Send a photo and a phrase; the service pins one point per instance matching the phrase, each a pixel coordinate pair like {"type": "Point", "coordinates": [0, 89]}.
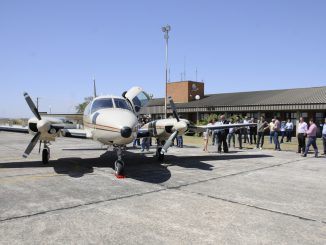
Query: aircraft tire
{"type": "Point", "coordinates": [159, 155]}
{"type": "Point", "coordinates": [45, 156]}
{"type": "Point", "coordinates": [119, 167]}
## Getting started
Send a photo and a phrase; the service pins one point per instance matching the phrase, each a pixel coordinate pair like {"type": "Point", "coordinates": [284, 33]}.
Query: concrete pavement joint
{"type": "Point", "coordinates": [234, 174]}
{"type": "Point", "coordinates": [79, 205]}
{"type": "Point", "coordinates": [256, 207]}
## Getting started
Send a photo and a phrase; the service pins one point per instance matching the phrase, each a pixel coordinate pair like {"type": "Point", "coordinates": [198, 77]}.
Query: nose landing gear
{"type": "Point", "coordinates": [46, 153]}
{"type": "Point", "coordinates": [159, 153]}
{"type": "Point", "coordinates": [119, 164]}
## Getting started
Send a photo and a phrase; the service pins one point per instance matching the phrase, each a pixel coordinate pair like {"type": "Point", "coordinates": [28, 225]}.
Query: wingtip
{"type": "Point", "coordinates": [25, 155]}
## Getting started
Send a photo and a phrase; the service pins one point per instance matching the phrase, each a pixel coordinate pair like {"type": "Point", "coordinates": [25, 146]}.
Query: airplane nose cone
{"type": "Point", "coordinates": [126, 132]}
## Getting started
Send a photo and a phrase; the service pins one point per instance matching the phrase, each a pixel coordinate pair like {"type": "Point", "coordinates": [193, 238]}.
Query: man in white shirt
{"type": "Point", "coordinates": [289, 130]}
{"type": "Point", "coordinates": [302, 129]}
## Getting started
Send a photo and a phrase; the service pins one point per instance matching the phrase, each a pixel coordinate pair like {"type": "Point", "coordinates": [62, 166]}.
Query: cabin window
{"type": "Point", "coordinates": [121, 103]}
{"type": "Point", "coordinates": [140, 100]}
{"type": "Point", "coordinates": [102, 104]}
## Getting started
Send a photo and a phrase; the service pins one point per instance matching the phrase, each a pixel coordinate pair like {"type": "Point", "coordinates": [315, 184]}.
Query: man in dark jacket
{"type": "Point", "coordinates": [222, 136]}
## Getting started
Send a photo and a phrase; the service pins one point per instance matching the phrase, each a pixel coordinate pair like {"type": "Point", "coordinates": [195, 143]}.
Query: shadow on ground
{"type": "Point", "coordinates": [139, 166]}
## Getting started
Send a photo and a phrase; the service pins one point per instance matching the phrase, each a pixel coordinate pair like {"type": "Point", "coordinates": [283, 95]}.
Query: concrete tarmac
{"type": "Point", "coordinates": [243, 197]}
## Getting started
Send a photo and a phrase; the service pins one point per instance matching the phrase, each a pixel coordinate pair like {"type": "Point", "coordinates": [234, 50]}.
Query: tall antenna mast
{"type": "Point", "coordinates": [94, 85]}
{"type": "Point", "coordinates": [184, 68]}
{"type": "Point", "coordinates": [169, 75]}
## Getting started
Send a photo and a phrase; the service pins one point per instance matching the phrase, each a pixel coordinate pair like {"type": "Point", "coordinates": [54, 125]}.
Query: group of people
{"type": "Point", "coordinates": [146, 142]}
{"type": "Point", "coordinates": [224, 138]}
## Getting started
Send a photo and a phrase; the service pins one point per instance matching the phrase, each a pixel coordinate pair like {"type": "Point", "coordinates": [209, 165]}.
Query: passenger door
{"type": "Point", "coordinates": [137, 98]}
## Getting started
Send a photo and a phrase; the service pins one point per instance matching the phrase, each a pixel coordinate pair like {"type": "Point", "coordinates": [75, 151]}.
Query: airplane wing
{"type": "Point", "coordinates": [16, 129]}
{"type": "Point", "coordinates": [143, 133]}
{"type": "Point", "coordinates": [199, 129]}
{"type": "Point", "coordinates": [67, 130]}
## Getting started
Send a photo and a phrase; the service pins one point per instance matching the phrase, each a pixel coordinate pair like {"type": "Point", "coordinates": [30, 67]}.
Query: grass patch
{"type": "Point", "coordinates": [286, 146]}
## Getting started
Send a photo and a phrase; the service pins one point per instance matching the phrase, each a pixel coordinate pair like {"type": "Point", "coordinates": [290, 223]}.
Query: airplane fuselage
{"type": "Point", "coordinates": [111, 126]}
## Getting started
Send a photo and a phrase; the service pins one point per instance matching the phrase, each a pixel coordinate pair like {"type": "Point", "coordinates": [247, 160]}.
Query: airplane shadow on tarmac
{"type": "Point", "coordinates": [138, 167]}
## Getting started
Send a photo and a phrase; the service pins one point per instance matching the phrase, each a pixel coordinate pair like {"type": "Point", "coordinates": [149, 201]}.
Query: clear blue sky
{"type": "Point", "coordinates": [52, 49]}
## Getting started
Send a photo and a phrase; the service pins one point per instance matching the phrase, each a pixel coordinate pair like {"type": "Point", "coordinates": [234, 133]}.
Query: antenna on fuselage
{"type": "Point", "coordinates": [94, 84]}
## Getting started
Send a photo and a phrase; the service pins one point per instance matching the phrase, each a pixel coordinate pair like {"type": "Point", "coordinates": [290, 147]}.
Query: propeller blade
{"type": "Point", "coordinates": [32, 106]}
{"type": "Point", "coordinates": [168, 143]}
{"type": "Point", "coordinates": [32, 144]}
{"type": "Point", "coordinates": [174, 109]}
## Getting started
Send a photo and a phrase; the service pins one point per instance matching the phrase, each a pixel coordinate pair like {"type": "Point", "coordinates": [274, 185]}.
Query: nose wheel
{"type": "Point", "coordinates": [159, 154]}
{"type": "Point", "coordinates": [45, 154]}
{"type": "Point", "coordinates": [119, 164]}
{"type": "Point", "coordinates": [119, 168]}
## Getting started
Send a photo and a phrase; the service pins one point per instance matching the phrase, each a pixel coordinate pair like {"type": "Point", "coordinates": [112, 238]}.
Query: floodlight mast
{"type": "Point", "coordinates": [166, 30]}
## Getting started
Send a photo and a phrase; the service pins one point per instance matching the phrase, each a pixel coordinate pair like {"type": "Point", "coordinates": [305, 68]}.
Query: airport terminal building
{"type": "Point", "coordinates": [193, 104]}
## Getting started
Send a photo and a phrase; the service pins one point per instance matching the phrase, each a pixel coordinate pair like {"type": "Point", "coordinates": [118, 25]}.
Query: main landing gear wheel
{"type": "Point", "coordinates": [119, 167]}
{"type": "Point", "coordinates": [45, 156]}
{"type": "Point", "coordinates": [159, 155]}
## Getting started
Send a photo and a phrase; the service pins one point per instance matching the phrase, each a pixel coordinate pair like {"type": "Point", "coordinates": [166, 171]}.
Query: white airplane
{"type": "Point", "coordinates": [166, 130]}
{"type": "Point", "coordinates": [111, 120]}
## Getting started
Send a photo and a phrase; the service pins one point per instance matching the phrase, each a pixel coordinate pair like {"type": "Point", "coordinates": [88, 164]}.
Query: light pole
{"type": "Point", "coordinates": [166, 30]}
{"type": "Point", "coordinates": [197, 97]}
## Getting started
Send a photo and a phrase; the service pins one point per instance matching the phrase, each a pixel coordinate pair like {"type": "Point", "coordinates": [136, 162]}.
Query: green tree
{"type": "Point", "coordinates": [81, 107]}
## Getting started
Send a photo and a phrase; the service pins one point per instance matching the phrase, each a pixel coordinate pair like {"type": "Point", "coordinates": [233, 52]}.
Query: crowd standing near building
{"type": "Point", "coordinates": [254, 135]}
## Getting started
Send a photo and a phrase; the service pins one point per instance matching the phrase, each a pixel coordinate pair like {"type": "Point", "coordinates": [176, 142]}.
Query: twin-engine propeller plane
{"type": "Point", "coordinates": [166, 130]}
{"type": "Point", "coordinates": [111, 120]}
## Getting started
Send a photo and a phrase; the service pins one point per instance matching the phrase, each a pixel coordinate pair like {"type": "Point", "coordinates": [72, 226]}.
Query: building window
{"type": "Point", "coordinates": [292, 116]}
{"type": "Point", "coordinates": [304, 114]}
{"type": "Point", "coordinates": [319, 117]}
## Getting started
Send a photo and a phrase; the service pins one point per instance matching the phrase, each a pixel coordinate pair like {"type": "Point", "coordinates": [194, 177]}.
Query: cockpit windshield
{"type": "Point", "coordinates": [102, 104]}
{"type": "Point", "coordinates": [121, 103]}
